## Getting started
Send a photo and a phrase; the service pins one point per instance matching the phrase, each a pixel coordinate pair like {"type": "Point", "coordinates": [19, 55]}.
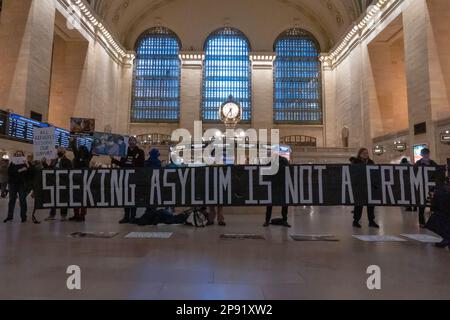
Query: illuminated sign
{"type": "Point", "coordinates": [23, 128]}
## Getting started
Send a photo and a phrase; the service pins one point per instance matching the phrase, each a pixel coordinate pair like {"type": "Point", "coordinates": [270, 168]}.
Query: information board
{"type": "Point", "coordinates": [23, 128]}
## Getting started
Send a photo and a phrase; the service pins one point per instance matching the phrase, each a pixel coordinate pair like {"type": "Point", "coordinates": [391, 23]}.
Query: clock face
{"type": "Point", "coordinates": [231, 110]}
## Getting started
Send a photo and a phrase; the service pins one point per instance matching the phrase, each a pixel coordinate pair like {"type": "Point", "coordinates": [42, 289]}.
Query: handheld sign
{"type": "Point", "coordinates": [44, 143]}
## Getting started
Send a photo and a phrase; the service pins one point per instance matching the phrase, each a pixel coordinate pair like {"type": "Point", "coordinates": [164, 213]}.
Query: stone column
{"type": "Point", "coordinates": [416, 32]}
{"type": "Point", "coordinates": [26, 39]}
{"type": "Point", "coordinates": [191, 89]}
{"type": "Point", "coordinates": [262, 90]}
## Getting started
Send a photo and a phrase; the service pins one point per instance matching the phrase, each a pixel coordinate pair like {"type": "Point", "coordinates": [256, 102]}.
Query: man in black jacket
{"type": "Point", "coordinates": [424, 162]}
{"type": "Point", "coordinates": [60, 163]}
{"type": "Point", "coordinates": [135, 158]}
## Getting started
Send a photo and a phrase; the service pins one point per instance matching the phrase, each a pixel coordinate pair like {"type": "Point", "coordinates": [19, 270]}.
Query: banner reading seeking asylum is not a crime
{"type": "Point", "coordinates": [318, 185]}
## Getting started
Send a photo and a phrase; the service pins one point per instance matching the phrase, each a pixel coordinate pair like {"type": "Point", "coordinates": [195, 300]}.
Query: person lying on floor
{"type": "Point", "coordinates": [153, 217]}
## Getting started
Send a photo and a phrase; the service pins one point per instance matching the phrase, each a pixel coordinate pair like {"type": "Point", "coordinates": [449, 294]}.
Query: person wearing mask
{"type": "Point", "coordinates": [60, 163]}
{"type": "Point", "coordinates": [363, 158]}
{"type": "Point", "coordinates": [283, 162]}
{"type": "Point", "coordinates": [424, 162]}
{"type": "Point", "coordinates": [17, 176]}
{"type": "Point", "coordinates": [82, 160]}
{"type": "Point", "coordinates": [4, 164]}
{"type": "Point", "coordinates": [135, 158]}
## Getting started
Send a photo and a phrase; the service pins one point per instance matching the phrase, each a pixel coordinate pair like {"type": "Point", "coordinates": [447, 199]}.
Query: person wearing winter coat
{"type": "Point", "coordinates": [82, 160]}
{"type": "Point", "coordinates": [135, 158]}
{"type": "Point", "coordinates": [424, 162]}
{"type": "Point", "coordinates": [18, 172]}
{"type": "Point", "coordinates": [363, 158]}
{"type": "Point", "coordinates": [60, 163]}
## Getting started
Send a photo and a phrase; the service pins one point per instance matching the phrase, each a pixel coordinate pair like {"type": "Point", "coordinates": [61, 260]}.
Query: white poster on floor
{"type": "Point", "coordinates": [424, 238]}
{"type": "Point", "coordinates": [379, 238]}
{"type": "Point", "coordinates": [149, 235]}
{"type": "Point", "coordinates": [44, 143]}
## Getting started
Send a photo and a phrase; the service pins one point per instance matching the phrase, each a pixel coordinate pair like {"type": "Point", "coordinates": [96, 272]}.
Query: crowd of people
{"type": "Point", "coordinates": [16, 178]}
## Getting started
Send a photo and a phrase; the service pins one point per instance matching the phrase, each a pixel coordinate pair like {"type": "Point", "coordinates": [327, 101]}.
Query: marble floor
{"type": "Point", "coordinates": [197, 264]}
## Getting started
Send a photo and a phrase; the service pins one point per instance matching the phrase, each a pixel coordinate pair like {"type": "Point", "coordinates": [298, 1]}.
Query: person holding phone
{"type": "Point", "coordinates": [17, 175]}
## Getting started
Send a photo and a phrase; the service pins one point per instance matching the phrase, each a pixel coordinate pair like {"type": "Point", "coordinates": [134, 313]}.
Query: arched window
{"type": "Point", "coordinates": [297, 79]}
{"type": "Point", "coordinates": [156, 80]}
{"type": "Point", "coordinates": [226, 72]}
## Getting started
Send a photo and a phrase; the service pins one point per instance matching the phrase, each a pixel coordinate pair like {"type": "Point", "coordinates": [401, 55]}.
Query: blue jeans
{"type": "Point", "coordinates": [14, 191]}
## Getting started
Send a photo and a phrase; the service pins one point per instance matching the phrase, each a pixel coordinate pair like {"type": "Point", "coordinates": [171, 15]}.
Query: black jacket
{"type": "Point", "coordinates": [369, 162]}
{"type": "Point", "coordinates": [65, 164]}
{"type": "Point", "coordinates": [421, 163]}
{"type": "Point", "coordinates": [18, 174]}
{"type": "Point", "coordinates": [135, 159]}
{"type": "Point", "coordinates": [82, 160]}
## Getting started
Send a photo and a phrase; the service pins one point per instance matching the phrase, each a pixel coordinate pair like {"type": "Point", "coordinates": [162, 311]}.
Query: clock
{"type": "Point", "coordinates": [230, 112]}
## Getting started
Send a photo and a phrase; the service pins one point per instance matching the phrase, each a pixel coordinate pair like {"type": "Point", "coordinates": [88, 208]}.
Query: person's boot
{"type": "Point", "coordinates": [373, 224]}
{"type": "Point", "coordinates": [356, 225]}
{"type": "Point", "coordinates": [125, 220]}
{"type": "Point", "coordinates": [8, 220]}
{"type": "Point", "coordinates": [266, 224]}
{"type": "Point", "coordinates": [286, 224]}
{"type": "Point", "coordinates": [443, 244]}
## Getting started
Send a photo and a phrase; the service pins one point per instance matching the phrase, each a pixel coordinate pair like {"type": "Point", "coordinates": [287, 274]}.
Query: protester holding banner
{"type": "Point", "coordinates": [82, 160]}
{"type": "Point", "coordinates": [135, 158]}
{"type": "Point", "coordinates": [283, 162]}
{"type": "Point", "coordinates": [363, 158]}
{"type": "Point", "coordinates": [17, 175]}
{"type": "Point", "coordinates": [424, 162]}
{"type": "Point", "coordinates": [60, 163]}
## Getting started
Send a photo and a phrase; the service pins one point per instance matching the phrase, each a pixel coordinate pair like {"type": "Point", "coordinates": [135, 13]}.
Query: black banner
{"type": "Point", "coordinates": [318, 185]}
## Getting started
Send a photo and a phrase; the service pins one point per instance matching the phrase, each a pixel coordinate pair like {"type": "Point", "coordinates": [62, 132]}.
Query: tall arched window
{"type": "Point", "coordinates": [226, 72]}
{"type": "Point", "coordinates": [297, 79]}
{"type": "Point", "coordinates": [156, 82]}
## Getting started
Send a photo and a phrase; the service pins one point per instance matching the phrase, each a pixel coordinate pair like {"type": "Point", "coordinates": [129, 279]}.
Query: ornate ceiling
{"type": "Point", "coordinates": [328, 20]}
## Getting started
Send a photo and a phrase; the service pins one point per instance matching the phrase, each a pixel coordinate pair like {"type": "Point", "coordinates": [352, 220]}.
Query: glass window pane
{"type": "Point", "coordinates": [226, 72]}
{"type": "Point", "coordinates": [297, 79]}
{"type": "Point", "coordinates": [156, 82]}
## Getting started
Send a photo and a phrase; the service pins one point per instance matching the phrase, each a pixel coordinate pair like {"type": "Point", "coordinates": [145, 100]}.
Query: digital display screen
{"type": "Point", "coordinates": [62, 138]}
{"type": "Point", "coordinates": [23, 128]}
{"type": "Point", "coordinates": [85, 141]}
{"type": "Point", "coordinates": [3, 122]}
